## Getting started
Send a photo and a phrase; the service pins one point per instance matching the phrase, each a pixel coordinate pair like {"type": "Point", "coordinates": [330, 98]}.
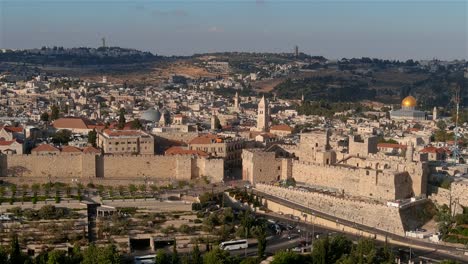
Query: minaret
{"type": "Point", "coordinates": [214, 120]}
{"type": "Point", "coordinates": [99, 110]}
{"type": "Point", "coordinates": [409, 152]}
{"type": "Point", "coordinates": [236, 101]}
{"type": "Point", "coordinates": [263, 117]}
{"type": "Point", "coordinates": [434, 114]}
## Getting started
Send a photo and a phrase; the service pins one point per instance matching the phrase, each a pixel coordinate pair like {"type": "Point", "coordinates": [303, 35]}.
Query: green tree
{"type": "Point", "coordinates": [45, 117]}
{"type": "Point", "coordinates": [56, 257]}
{"type": "Point", "coordinates": [385, 255]}
{"type": "Point", "coordinates": [92, 137]}
{"type": "Point", "coordinates": [108, 255]}
{"type": "Point", "coordinates": [175, 255]}
{"type": "Point", "coordinates": [284, 257]}
{"type": "Point", "coordinates": [76, 255]}
{"type": "Point", "coordinates": [228, 215]}
{"type": "Point", "coordinates": [441, 125]}
{"type": "Point", "coordinates": [218, 256]}
{"type": "Point", "coordinates": [185, 259]}
{"type": "Point", "coordinates": [62, 136]}
{"type": "Point", "coordinates": [161, 257]}
{"type": "Point", "coordinates": [16, 257]}
{"type": "Point", "coordinates": [132, 189]}
{"type": "Point", "coordinates": [365, 252]}
{"type": "Point", "coordinates": [449, 262]}
{"type": "Point", "coordinates": [55, 112]}
{"type": "Point", "coordinates": [260, 233]}
{"type": "Point", "coordinates": [251, 260]}
{"type": "Point", "coordinates": [196, 255]}
{"type": "Point", "coordinates": [3, 255]}
{"type": "Point", "coordinates": [42, 258]}
{"type": "Point", "coordinates": [136, 124]}
{"type": "Point", "coordinates": [339, 246]}
{"type": "Point", "coordinates": [122, 120]}
{"type": "Point", "coordinates": [90, 255]}
{"type": "Point", "coordinates": [321, 250]}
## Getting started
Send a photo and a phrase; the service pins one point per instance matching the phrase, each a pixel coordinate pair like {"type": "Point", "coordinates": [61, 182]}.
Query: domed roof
{"type": "Point", "coordinates": [409, 101]}
{"type": "Point", "coordinates": [151, 115]}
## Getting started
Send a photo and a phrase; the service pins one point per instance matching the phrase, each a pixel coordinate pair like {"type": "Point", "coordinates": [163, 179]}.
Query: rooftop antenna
{"type": "Point", "coordinates": [103, 42]}
{"type": "Point", "coordinates": [455, 152]}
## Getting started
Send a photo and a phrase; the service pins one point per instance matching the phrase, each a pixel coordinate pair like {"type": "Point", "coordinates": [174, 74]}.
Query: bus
{"type": "Point", "coordinates": [147, 259]}
{"type": "Point", "coordinates": [234, 244]}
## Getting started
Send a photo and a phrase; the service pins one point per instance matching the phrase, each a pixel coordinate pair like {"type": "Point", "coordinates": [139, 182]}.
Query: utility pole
{"type": "Point", "coordinates": [313, 229]}
{"type": "Point", "coordinates": [455, 130]}
{"type": "Point", "coordinates": [245, 249]}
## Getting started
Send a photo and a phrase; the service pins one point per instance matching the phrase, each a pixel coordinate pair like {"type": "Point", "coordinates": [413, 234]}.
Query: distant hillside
{"type": "Point", "coordinates": [383, 81]}
{"type": "Point", "coordinates": [74, 57]}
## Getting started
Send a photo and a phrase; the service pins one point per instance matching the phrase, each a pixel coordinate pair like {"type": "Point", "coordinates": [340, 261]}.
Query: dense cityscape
{"type": "Point", "coordinates": [116, 155]}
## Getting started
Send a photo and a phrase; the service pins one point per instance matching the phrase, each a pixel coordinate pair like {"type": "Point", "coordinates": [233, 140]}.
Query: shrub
{"type": "Point", "coordinates": [196, 207]}
{"type": "Point", "coordinates": [185, 229]}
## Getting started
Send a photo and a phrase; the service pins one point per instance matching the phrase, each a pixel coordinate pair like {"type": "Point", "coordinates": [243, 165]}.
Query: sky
{"type": "Point", "coordinates": [390, 29]}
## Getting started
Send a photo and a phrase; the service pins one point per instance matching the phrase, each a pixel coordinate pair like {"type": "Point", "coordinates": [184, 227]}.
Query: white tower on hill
{"type": "Point", "coordinates": [263, 116]}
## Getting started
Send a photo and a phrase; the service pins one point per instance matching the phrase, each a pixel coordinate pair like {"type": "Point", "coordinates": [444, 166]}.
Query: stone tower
{"type": "Point", "coordinates": [434, 114]}
{"type": "Point", "coordinates": [409, 152]}
{"type": "Point", "coordinates": [263, 117]}
{"type": "Point", "coordinates": [99, 110]}
{"type": "Point", "coordinates": [214, 121]}
{"type": "Point", "coordinates": [236, 101]}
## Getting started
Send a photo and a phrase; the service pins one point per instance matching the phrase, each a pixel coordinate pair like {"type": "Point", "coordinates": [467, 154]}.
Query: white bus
{"type": "Point", "coordinates": [147, 259]}
{"type": "Point", "coordinates": [234, 244]}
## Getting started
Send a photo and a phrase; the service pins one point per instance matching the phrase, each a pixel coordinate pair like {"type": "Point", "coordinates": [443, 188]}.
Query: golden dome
{"type": "Point", "coordinates": [409, 101]}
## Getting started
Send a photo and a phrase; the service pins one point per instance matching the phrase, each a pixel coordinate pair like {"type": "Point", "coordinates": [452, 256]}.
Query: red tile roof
{"type": "Point", "coordinates": [181, 151]}
{"type": "Point", "coordinates": [205, 139]}
{"type": "Point", "coordinates": [432, 149]}
{"type": "Point", "coordinates": [98, 128]}
{"type": "Point", "coordinates": [253, 134]}
{"type": "Point", "coordinates": [13, 129]}
{"type": "Point", "coordinates": [7, 142]}
{"type": "Point", "coordinates": [89, 150]}
{"type": "Point", "coordinates": [71, 149]}
{"type": "Point", "coordinates": [127, 126]}
{"type": "Point", "coordinates": [71, 123]}
{"type": "Point", "coordinates": [282, 127]}
{"type": "Point", "coordinates": [45, 148]}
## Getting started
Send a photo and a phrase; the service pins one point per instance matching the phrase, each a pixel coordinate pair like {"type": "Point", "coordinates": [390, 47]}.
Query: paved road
{"type": "Point", "coordinates": [433, 253]}
{"type": "Point", "coordinates": [274, 244]}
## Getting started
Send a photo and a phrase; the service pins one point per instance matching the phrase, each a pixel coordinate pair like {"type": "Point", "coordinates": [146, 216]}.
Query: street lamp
{"type": "Point", "coordinates": [313, 228]}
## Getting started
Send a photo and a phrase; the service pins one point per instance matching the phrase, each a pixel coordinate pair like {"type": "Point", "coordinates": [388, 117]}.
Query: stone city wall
{"type": "Point", "coordinates": [90, 166]}
{"type": "Point", "coordinates": [123, 166]}
{"type": "Point", "coordinates": [439, 195]}
{"type": "Point", "coordinates": [455, 198]}
{"type": "Point", "coordinates": [213, 169]}
{"type": "Point", "coordinates": [460, 192]}
{"type": "Point", "coordinates": [67, 166]}
{"type": "Point", "coordinates": [259, 166]}
{"type": "Point", "coordinates": [354, 181]}
{"type": "Point", "coordinates": [374, 215]}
